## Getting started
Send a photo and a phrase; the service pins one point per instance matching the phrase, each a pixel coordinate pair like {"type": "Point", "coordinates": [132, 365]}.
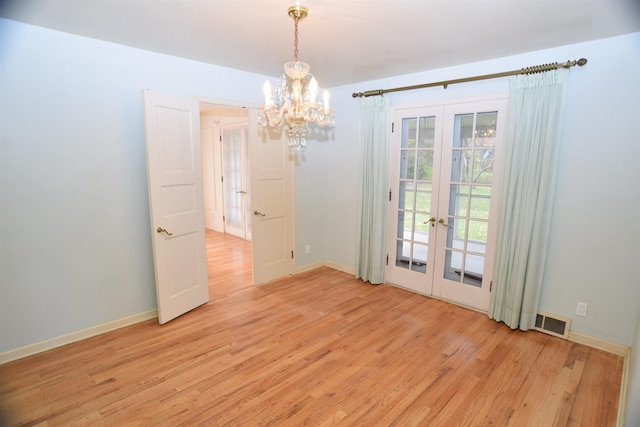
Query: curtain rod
{"type": "Point", "coordinates": [529, 70]}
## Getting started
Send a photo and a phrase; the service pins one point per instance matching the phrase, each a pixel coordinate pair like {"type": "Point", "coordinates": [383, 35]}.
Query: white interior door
{"type": "Point", "coordinates": [174, 178]}
{"type": "Point", "coordinates": [444, 174]}
{"type": "Point", "coordinates": [272, 189]}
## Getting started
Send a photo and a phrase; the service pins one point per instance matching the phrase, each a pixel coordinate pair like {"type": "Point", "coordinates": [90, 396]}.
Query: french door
{"type": "Point", "coordinates": [235, 172]}
{"type": "Point", "coordinates": [442, 201]}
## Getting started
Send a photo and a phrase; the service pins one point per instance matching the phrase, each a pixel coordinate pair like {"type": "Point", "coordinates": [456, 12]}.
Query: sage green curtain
{"type": "Point", "coordinates": [527, 187]}
{"type": "Point", "coordinates": [374, 185]}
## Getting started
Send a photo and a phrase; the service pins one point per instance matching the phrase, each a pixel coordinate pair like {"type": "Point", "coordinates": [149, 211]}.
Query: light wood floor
{"type": "Point", "coordinates": [316, 349]}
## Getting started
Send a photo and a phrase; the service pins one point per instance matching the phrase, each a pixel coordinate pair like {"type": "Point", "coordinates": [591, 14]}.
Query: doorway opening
{"type": "Point", "coordinates": [226, 185]}
{"type": "Point", "coordinates": [267, 189]}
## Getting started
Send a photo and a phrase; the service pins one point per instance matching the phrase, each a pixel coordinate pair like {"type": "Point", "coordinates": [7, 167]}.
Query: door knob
{"type": "Point", "coordinates": [162, 230]}
{"type": "Point", "coordinates": [258, 213]}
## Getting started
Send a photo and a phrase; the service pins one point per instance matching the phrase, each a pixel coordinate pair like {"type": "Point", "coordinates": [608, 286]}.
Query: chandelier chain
{"type": "Point", "coordinates": [295, 49]}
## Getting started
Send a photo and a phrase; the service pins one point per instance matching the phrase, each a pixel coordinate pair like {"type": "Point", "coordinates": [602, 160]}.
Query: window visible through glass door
{"type": "Point", "coordinates": [472, 159]}
{"type": "Point", "coordinates": [415, 193]}
{"type": "Point", "coordinates": [235, 167]}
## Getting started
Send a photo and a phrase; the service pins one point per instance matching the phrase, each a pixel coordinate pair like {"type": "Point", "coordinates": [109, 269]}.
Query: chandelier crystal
{"type": "Point", "coordinates": [295, 97]}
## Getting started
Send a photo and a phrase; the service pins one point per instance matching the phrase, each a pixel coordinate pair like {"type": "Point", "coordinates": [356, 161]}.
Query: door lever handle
{"type": "Point", "coordinates": [430, 220]}
{"type": "Point", "coordinates": [162, 230]}
{"type": "Point", "coordinates": [442, 222]}
{"type": "Point", "coordinates": [258, 213]}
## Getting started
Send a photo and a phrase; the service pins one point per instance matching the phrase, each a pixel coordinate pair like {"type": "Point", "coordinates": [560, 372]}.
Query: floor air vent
{"type": "Point", "coordinates": [552, 324]}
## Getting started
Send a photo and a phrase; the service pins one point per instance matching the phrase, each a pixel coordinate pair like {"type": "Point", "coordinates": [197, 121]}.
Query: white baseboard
{"type": "Point", "coordinates": [309, 267]}
{"type": "Point", "coordinates": [624, 389]}
{"type": "Point", "coordinates": [335, 266]}
{"type": "Point", "coordinates": [340, 267]}
{"type": "Point", "coordinates": [618, 349]}
{"type": "Point", "coordinates": [51, 343]}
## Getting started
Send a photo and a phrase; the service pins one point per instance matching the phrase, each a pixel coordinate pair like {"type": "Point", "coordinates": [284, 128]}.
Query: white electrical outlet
{"type": "Point", "coordinates": [307, 249]}
{"type": "Point", "coordinates": [581, 309]}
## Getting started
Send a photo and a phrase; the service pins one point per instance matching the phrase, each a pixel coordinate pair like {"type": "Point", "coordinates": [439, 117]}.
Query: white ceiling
{"type": "Point", "coordinates": [344, 41]}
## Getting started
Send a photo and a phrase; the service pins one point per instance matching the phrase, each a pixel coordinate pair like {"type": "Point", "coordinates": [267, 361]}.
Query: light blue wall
{"type": "Point", "coordinates": [593, 252]}
{"type": "Point", "coordinates": [74, 224]}
{"type": "Point", "coordinates": [74, 230]}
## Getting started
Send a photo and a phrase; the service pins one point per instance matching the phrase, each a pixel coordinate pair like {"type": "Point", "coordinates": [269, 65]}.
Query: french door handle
{"type": "Point", "coordinates": [442, 222]}
{"type": "Point", "coordinates": [258, 213]}
{"type": "Point", "coordinates": [241, 192]}
{"type": "Point", "coordinates": [431, 220]}
{"type": "Point", "coordinates": [162, 230]}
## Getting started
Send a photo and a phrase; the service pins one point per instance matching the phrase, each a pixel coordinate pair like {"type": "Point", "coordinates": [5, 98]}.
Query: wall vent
{"type": "Point", "coordinates": [552, 324]}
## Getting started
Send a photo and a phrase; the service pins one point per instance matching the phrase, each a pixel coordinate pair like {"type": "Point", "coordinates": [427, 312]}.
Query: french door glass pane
{"type": "Point", "coordinates": [425, 164]}
{"type": "Point", "coordinates": [419, 259]}
{"type": "Point", "coordinates": [405, 225]}
{"type": "Point", "coordinates": [423, 194]}
{"type": "Point", "coordinates": [414, 193]}
{"type": "Point", "coordinates": [469, 197]}
{"type": "Point", "coordinates": [421, 233]}
{"type": "Point", "coordinates": [232, 171]}
{"type": "Point", "coordinates": [427, 132]}
{"type": "Point", "coordinates": [407, 164]}
{"type": "Point", "coordinates": [480, 198]}
{"type": "Point", "coordinates": [406, 195]}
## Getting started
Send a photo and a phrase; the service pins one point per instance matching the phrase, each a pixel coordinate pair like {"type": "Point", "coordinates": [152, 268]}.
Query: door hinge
{"type": "Point", "coordinates": [292, 255]}
{"type": "Point", "coordinates": [389, 194]}
{"type": "Point", "coordinates": [393, 125]}
{"type": "Point", "coordinates": [223, 218]}
{"type": "Point", "coordinates": [220, 138]}
{"type": "Point", "coordinates": [222, 179]}
{"type": "Point", "coordinates": [387, 261]}
{"type": "Point", "coordinates": [490, 285]}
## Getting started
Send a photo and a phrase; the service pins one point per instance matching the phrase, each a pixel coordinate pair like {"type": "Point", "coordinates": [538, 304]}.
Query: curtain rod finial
{"type": "Point", "coordinates": [368, 93]}
{"type": "Point", "coordinates": [582, 61]}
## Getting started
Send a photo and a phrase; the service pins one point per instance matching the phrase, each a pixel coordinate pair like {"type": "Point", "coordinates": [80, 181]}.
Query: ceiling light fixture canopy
{"type": "Point", "coordinates": [295, 97]}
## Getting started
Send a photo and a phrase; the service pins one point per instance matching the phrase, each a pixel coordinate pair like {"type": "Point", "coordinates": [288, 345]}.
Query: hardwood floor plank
{"type": "Point", "coordinates": [596, 399]}
{"type": "Point", "coordinates": [320, 349]}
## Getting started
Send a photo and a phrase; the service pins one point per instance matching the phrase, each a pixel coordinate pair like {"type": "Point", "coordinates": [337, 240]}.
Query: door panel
{"type": "Point", "coordinates": [472, 135]}
{"type": "Point", "coordinates": [414, 163]}
{"type": "Point", "coordinates": [174, 179]}
{"type": "Point", "coordinates": [440, 227]}
{"type": "Point", "coordinates": [272, 201]}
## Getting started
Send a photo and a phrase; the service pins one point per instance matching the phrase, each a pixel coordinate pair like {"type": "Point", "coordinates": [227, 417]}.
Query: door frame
{"type": "Point", "coordinates": [252, 125]}
{"type": "Point", "coordinates": [436, 289]}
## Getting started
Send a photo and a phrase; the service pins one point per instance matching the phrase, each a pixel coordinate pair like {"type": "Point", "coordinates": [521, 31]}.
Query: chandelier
{"type": "Point", "coordinates": [295, 97]}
